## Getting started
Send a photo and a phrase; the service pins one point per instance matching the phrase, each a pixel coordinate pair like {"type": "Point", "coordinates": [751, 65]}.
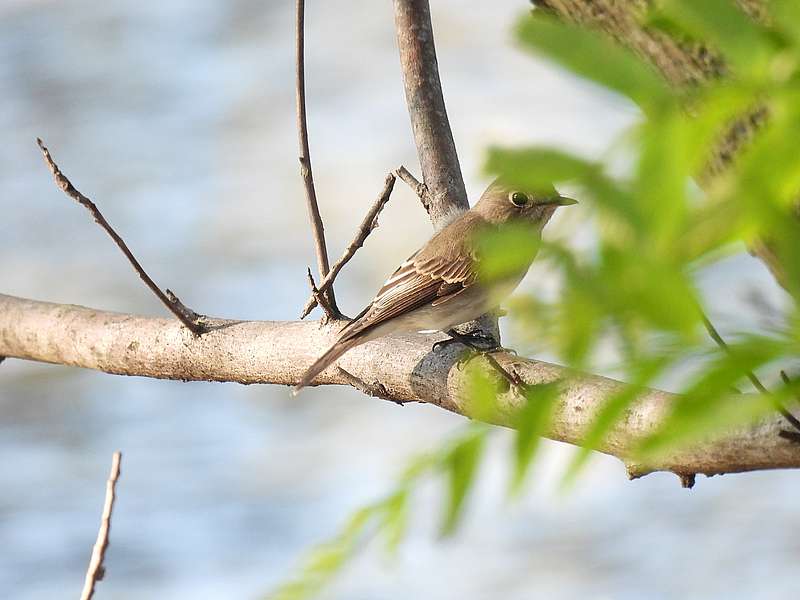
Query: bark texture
{"type": "Point", "coordinates": [436, 149]}
{"type": "Point", "coordinates": [404, 368]}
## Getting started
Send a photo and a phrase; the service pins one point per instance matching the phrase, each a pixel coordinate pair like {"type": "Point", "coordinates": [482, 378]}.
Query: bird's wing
{"type": "Point", "coordinates": [417, 282]}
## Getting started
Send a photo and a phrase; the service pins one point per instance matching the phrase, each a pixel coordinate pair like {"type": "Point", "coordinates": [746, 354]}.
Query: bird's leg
{"type": "Point", "coordinates": [478, 341]}
{"type": "Point", "coordinates": [474, 348]}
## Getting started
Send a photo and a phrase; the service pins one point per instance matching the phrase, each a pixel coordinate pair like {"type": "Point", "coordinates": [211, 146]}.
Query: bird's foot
{"type": "Point", "coordinates": [475, 340]}
{"type": "Point", "coordinates": [482, 344]}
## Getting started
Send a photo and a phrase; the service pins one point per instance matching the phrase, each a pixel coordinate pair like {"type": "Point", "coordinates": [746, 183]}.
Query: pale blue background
{"type": "Point", "coordinates": [177, 117]}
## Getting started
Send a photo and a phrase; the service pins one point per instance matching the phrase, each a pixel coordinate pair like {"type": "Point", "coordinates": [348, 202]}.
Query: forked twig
{"type": "Point", "coordinates": [420, 189]}
{"type": "Point", "coordinates": [317, 228]}
{"type": "Point", "coordinates": [320, 298]}
{"type": "Point", "coordinates": [366, 227]}
{"type": "Point", "coordinates": [96, 570]}
{"type": "Point", "coordinates": [188, 317]}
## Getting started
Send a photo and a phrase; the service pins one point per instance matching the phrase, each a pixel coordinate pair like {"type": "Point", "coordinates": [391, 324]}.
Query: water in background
{"type": "Point", "coordinates": [177, 118]}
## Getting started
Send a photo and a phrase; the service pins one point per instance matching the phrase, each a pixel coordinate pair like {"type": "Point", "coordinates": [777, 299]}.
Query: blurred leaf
{"type": "Point", "coordinates": [710, 404]}
{"type": "Point", "coordinates": [461, 464]}
{"type": "Point", "coordinates": [395, 519]}
{"type": "Point", "coordinates": [324, 561]}
{"type": "Point", "coordinates": [506, 251]}
{"type": "Point", "coordinates": [532, 422]}
{"type": "Point", "coordinates": [587, 54]}
{"type": "Point", "coordinates": [532, 168]}
{"type": "Point", "coordinates": [650, 288]}
{"type": "Point", "coordinates": [610, 414]}
{"type": "Point", "coordinates": [786, 18]}
{"type": "Point", "coordinates": [662, 174]}
{"type": "Point", "coordinates": [579, 320]}
{"type": "Point", "coordinates": [743, 43]}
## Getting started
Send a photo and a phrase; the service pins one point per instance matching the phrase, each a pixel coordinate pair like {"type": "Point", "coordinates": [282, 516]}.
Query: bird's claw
{"type": "Point", "coordinates": [476, 340]}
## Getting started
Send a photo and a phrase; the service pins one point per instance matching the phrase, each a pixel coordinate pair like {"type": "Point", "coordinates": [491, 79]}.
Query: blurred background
{"type": "Point", "coordinates": [177, 118]}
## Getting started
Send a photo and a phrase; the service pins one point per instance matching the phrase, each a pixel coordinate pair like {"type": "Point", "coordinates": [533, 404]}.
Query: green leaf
{"type": "Point", "coordinates": [710, 404]}
{"type": "Point", "coordinates": [610, 414]}
{"type": "Point", "coordinates": [395, 519]}
{"type": "Point", "coordinates": [587, 54]}
{"type": "Point", "coordinates": [743, 43]}
{"type": "Point", "coordinates": [532, 422]}
{"type": "Point", "coordinates": [325, 560]}
{"type": "Point", "coordinates": [532, 168]}
{"type": "Point", "coordinates": [663, 172]}
{"type": "Point", "coordinates": [504, 252]}
{"type": "Point", "coordinates": [461, 464]}
{"type": "Point", "coordinates": [786, 18]}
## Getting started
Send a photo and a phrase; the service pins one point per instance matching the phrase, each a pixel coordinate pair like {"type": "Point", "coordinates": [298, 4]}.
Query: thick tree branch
{"type": "Point", "coordinates": [366, 227]}
{"type": "Point", "coordinates": [444, 193]}
{"type": "Point", "coordinates": [434, 139]}
{"type": "Point", "coordinates": [401, 368]}
{"type": "Point", "coordinates": [188, 317]}
{"type": "Point", "coordinates": [317, 229]}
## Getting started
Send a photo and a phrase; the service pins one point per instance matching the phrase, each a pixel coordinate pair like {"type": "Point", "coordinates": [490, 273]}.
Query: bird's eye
{"type": "Point", "coordinates": [518, 199]}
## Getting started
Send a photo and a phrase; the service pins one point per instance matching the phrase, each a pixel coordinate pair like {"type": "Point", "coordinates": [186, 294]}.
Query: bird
{"type": "Point", "coordinates": [440, 286]}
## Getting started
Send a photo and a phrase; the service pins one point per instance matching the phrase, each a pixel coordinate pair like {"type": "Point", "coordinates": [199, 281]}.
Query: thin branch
{"type": "Point", "coordinates": [189, 318]}
{"type": "Point", "coordinates": [714, 334]}
{"type": "Point", "coordinates": [319, 298]}
{"type": "Point", "coordinates": [96, 570]}
{"type": "Point", "coordinates": [366, 227]}
{"type": "Point", "coordinates": [420, 189]}
{"type": "Point", "coordinates": [436, 148]}
{"type": "Point", "coordinates": [376, 390]}
{"type": "Point", "coordinates": [317, 228]}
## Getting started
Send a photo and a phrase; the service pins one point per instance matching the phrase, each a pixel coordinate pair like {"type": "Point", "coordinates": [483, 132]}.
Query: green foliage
{"type": "Point", "coordinates": [532, 422]}
{"type": "Point", "coordinates": [588, 55]}
{"type": "Point", "coordinates": [460, 465]}
{"type": "Point", "coordinates": [655, 231]}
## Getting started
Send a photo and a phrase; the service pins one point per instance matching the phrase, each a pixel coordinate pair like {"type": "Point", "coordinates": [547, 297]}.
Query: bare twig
{"type": "Point", "coordinates": [434, 139]}
{"type": "Point", "coordinates": [420, 189]}
{"type": "Point", "coordinates": [189, 318]}
{"type": "Point", "coordinates": [366, 227]}
{"type": "Point", "coordinates": [317, 228]}
{"type": "Point", "coordinates": [376, 390]}
{"type": "Point", "coordinates": [714, 334]}
{"type": "Point", "coordinates": [96, 569]}
{"type": "Point", "coordinates": [321, 300]}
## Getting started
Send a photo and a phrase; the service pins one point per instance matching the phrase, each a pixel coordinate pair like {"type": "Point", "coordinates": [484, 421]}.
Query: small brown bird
{"type": "Point", "coordinates": [439, 286]}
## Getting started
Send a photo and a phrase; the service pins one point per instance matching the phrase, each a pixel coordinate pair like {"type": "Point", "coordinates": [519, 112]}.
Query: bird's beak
{"type": "Point", "coordinates": [558, 201]}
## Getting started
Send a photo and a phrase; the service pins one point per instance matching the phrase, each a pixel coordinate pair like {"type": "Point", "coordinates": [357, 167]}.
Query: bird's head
{"type": "Point", "coordinates": [503, 203]}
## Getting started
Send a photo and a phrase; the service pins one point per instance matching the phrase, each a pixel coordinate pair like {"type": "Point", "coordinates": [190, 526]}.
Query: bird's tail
{"type": "Point", "coordinates": [324, 361]}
